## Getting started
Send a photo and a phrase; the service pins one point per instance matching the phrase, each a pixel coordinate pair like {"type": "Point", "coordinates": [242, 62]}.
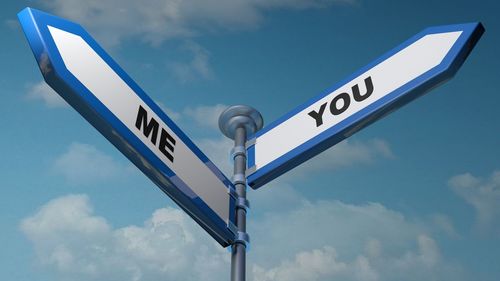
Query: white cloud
{"type": "Point", "coordinates": [321, 241]}
{"type": "Point", "coordinates": [197, 67]}
{"type": "Point", "coordinates": [206, 116]}
{"type": "Point", "coordinates": [13, 24]}
{"type": "Point", "coordinates": [355, 242]}
{"type": "Point", "coordinates": [218, 151]}
{"type": "Point", "coordinates": [155, 21]}
{"type": "Point", "coordinates": [43, 92]}
{"type": "Point", "coordinates": [444, 223]}
{"type": "Point", "coordinates": [345, 227]}
{"type": "Point", "coordinates": [266, 199]}
{"type": "Point", "coordinates": [344, 154]}
{"type": "Point", "coordinates": [483, 195]}
{"type": "Point", "coordinates": [83, 163]}
{"type": "Point", "coordinates": [78, 245]}
{"type": "Point", "coordinates": [318, 264]}
{"type": "Point", "coordinates": [172, 114]}
{"type": "Point", "coordinates": [309, 265]}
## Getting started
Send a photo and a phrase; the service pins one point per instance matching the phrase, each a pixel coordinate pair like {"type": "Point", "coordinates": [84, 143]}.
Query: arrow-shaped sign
{"type": "Point", "coordinates": [396, 78]}
{"type": "Point", "coordinates": [77, 68]}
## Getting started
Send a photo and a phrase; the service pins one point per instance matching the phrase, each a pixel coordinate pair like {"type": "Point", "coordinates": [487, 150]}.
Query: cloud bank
{"type": "Point", "coordinates": [155, 21]}
{"type": "Point", "coordinates": [483, 195]}
{"type": "Point", "coordinates": [84, 164]}
{"type": "Point", "coordinates": [42, 92]}
{"type": "Point", "coordinates": [316, 241]}
{"type": "Point", "coordinates": [78, 245]}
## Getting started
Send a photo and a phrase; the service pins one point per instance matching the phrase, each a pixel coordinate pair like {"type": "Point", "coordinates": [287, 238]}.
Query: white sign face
{"type": "Point", "coordinates": [84, 75]}
{"type": "Point", "coordinates": [340, 104]}
{"type": "Point", "coordinates": [381, 87]}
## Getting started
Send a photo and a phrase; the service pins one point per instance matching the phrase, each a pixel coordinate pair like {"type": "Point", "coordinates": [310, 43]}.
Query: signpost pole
{"type": "Point", "coordinates": [237, 122]}
{"type": "Point", "coordinates": [238, 255]}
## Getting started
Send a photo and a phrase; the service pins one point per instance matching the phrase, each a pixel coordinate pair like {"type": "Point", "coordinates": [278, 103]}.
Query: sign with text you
{"type": "Point", "coordinates": [79, 70]}
{"type": "Point", "coordinates": [396, 78]}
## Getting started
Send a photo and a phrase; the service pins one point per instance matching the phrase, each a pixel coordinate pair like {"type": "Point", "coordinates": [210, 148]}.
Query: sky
{"type": "Point", "coordinates": [415, 196]}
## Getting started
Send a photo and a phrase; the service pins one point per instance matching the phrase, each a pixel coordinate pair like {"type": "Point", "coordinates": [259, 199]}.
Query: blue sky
{"type": "Point", "coordinates": [415, 196]}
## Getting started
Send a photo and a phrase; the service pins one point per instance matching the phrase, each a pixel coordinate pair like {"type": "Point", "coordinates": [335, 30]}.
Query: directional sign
{"type": "Point", "coordinates": [396, 78]}
{"type": "Point", "coordinates": [77, 68]}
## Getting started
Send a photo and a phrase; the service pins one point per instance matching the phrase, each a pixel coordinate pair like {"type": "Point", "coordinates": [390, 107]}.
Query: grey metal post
{"type": "Point", "coordinates": [237, 122]}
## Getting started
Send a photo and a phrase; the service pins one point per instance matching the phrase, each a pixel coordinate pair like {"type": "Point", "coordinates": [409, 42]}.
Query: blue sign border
{"type": "Point", "coordinates": [471, 32]}
{"type": "Point", "coordinates": [34, 23]}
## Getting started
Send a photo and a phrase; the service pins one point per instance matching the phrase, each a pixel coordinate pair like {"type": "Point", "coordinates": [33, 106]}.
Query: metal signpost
{"type": "Point", "coordinates": [77, 68]}
{"type": "Point", "coordinates": [237, 122]}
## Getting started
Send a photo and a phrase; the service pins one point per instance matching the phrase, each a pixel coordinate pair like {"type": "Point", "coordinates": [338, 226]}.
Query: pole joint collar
{"type": "Point", "coordinates": [243, 203]}
{"type": "Point", "coordinates": [242, 238]}
{"type": "Point", "coordinates": [239, 179]}
{"type": "Point", "coordinates": [238, 151]}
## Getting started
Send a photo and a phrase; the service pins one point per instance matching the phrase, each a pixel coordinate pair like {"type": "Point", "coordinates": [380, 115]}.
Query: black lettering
{"type": "Point", "coordinates": [166, 140]}
{"type": "Point", "coordinates": [318, 116]}
{"type": "Point", "coordinates": [369, 90]}
{"type": "Point", "coordinates": [149, 129]}
{"type": "Point", "coordinates": [333, 105]}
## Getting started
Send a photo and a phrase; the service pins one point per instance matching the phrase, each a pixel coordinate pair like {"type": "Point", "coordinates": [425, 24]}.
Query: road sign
{"type": "Point", "coordinates": [77, 68]}
{"type": "Point", "coordinates": [396, 78]}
